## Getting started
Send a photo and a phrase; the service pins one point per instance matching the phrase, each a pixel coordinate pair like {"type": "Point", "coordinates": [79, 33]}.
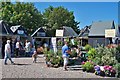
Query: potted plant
{"type": "Point", "coordinates": [88, 66]}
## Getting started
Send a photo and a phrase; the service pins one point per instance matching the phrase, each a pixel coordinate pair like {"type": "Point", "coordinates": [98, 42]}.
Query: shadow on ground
{"type": "Point", "coordinates": [20, 64]}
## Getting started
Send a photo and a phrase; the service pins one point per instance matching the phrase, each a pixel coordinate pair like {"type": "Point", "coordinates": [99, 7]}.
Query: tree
{"type": "Point", "coordinates": [55, 18]}
{"type": "Point", "coordinates": [24, 14]}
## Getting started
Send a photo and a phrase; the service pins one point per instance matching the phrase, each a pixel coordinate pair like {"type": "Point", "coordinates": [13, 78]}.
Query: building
{"type": "Point", "coordinates": [41, 36]}
{"type": "Point", "coordinates": [84, 32]}
{"type": "Point", "coordinates": [97, 33]}
{"type": "Point", "coordinates": [5, 33]}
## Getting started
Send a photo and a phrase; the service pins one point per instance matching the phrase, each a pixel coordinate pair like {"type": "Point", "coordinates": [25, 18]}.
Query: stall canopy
{"type": "Point", "coordinates": [5, 29]}
{"type": "Point", "coordinates": [19, 30]}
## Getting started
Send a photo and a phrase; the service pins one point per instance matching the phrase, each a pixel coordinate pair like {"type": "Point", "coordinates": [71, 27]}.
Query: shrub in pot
{"type": "Point", "coordinates": [109, 71]}
{"type": "Point", "coordinates": [88, 66]}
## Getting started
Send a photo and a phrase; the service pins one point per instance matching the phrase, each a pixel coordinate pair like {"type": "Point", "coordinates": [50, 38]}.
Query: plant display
{"type": "Point", "coordinates": [118, 53]}
{"type": "Point", "coordinates": [97, 61]}
{"type": "Point", "coordinates": [109, 71]}
{"type": "Point", "coordinates": [97, 70]}
{"type": "Point", "coordinates": [52, 59]}
{"type": "Point", "coordinates": [106, 55]}
{"type": "Point", "coordinates": [88, 66]}
{"type": "Point", "coordinates": [117, 67]}
{"type": "Point", "coordinates": [91, 53]}
{"type": "Point", "coordinates": [108, 60]}
{"type": "Point", "coordinates": [87, 47]}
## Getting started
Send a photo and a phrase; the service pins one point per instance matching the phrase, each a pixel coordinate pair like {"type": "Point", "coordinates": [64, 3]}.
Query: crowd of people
{"type": "Point", "coordinates": [30, 50]}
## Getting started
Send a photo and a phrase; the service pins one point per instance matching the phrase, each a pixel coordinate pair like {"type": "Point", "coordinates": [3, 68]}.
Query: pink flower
{"type": "Point", "coordinates": [83, 62]}
{"type": "Point", "coordinates": [110, 67]}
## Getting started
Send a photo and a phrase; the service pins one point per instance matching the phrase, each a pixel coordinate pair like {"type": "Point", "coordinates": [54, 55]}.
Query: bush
{"type": "Point", "coordinates": [117, 67]}
{"type": "Point", "coordinates": [118, 53]}
{"type": "Point", "coordinates": [107, 55]}
{"type": "Point", "coordinates": [88, 66]}
{"type": "Point", "coordinates": [54, 60]}
{"type": "Point", "coordinates": [97, 61]}
{"type": "Point", "coordinates": [108, 60]}
{"type": "Point", "coordinates": [91, 53]}
{"type": "Point", "coordinates": [87, 47]}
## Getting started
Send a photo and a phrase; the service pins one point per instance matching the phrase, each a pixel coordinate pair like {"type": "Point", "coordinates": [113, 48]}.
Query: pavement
{"type": "Point", "coordinates": [24, 68]}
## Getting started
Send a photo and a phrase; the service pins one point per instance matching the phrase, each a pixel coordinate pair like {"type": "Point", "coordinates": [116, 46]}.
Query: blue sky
{"type": "Point", "coordinates": [86, 12]}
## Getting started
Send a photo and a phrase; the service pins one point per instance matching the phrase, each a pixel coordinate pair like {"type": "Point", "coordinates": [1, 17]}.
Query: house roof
{"type": "Point", "coordinates": [98, 28]}
{"type": "Point", "coordinates": [117, 30]}
{"type": "Point", "coordinates": [68, 31]}
{"type": "Point", "coordinates": [19, 27]}
{"type": "Point", "coordinates": [5, 29]}
{"type": "Point", "coordinates": [39, 29]}
{"type": "Point", "coordinates": [84, 32]}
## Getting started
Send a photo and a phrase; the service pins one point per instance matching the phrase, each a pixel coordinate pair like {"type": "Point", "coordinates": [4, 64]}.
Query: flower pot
{"type": "Point", "coordinates": [84, 70]}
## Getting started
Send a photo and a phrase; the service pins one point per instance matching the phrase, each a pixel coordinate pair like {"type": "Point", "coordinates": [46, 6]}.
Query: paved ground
{"type": "Point", "coordinates": [26, 69]}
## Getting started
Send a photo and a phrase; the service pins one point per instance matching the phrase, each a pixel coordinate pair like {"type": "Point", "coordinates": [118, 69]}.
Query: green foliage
{"type": "Point", "coordinates": [55, 59]}
{"type": "Point", "coordinates": [97, 61]}
{"type": "Point", "coordinates": [87, 47]}
{"type": "Point", "coordinates": [73, 54]}
{"type": "Point", "coordinates": [57, 17]}
{"type": "Point", "coordinates": [118, 48]}
{"type": "Point", "coordinates": [88, 66]}
{"type": "Point", "coordinates": [76, 42]}
{"type": "Point", "coordinates": [108, 60]}
{"type": "Point", "coordinates": [118, 53]}
{"type": "Point", "coordinates": [59, 42]}
{"type": "Point", "coordinates": [24, 14]}
{"type": "Point", "coordinates": [117, 67]}
{"type": "Point", "coordinates": [91, 53]}
{"type": "Point", "coordinates": [106, 55]}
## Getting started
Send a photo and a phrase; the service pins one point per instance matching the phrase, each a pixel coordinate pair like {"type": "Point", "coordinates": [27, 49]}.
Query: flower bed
{"type": "Point", "coordinates": [104, 60]}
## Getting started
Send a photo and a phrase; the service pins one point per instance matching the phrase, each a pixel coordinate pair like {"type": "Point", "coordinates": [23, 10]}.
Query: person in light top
{"type": "Point", "coordinates": [27, 48]}
{"type": "Point", "coordinates": [7, 53]}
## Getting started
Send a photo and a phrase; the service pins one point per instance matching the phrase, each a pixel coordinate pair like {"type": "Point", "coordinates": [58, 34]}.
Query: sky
{"type": "Point", "coordinates": [86, 12]}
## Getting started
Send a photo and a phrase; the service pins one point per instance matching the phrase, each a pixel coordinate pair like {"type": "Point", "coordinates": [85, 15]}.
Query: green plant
{"type": "Point", "coordinates": [60, 43]}
{"type": "Point", "coordinates": [73, 54]}
{"type": "Point", "coordinates": [118, 53]}
{"type": "Point", "coordinates": [87, 47]}
{"type": "Point", "coordinates": [54, 59]}
{"type": "Point", "coordinates": [117, 67]}
{"type": "Point", "coordinates": [88, 66]}
{"type": "Point", "coordinates": [108, 60]}
{"type": "Point", "coordinates": [76, 42]}
{"type": "Point", "coordinates": [118, 48]}
{"type": "Point", "coordinates": [91, 53]}
{"type": "Point", "coordinates": [107, 55]}
{"type": "Point", "coordinates": [97, 61]}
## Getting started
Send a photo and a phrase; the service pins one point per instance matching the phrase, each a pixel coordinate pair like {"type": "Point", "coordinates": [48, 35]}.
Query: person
{"type": "Point", "coordinates": [34, 55]}
{"type": "Point", "coordinates": [36, 52]}
{"type": "Point", "coordinates": [7, 53]}
{"type": "Point", "coordinates": [65, 54]}
{"type": "Point", "coordinates": [17, 48]}
{"type": "Point", "coordinates": [27, 48]}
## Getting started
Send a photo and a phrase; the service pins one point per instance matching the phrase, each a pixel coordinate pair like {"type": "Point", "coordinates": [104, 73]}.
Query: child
{"type": "Point", "coordinates": [34, 55]}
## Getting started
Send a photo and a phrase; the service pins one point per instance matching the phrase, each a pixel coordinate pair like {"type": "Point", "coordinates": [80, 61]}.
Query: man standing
{"type": "Point", "coordinates": [27, 48]}
{"type": "Point", "coordinates": [17, 48]}
{"type": "Point", "coordinates": [8, 53]}
{"type": "Point", "coordinates": [65, 54]}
